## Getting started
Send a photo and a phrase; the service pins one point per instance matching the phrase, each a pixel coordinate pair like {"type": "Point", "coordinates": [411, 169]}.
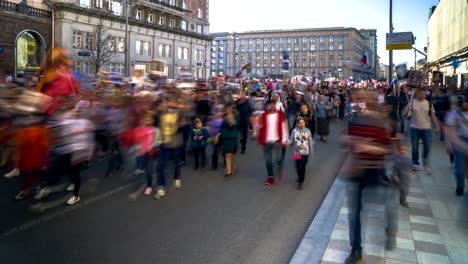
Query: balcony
{"type": "Point", "coordinates": [24, 9]}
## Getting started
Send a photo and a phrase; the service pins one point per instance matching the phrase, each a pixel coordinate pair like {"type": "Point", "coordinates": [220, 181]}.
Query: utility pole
{"type": "Point", "coordinates": [390, 52]}
{"type": "Point", "coordinates": [127, 55]}
{"type": "Point", "coordinates": [235, 53]}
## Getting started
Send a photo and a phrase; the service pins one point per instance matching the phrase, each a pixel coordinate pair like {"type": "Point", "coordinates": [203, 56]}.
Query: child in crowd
{"type": "Point", "coordinates": [199, 136]}
{"type": "Point", "coordinates": [301, 140]}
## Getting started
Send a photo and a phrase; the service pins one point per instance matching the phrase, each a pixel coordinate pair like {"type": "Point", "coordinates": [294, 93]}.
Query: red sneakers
{"type": "Point", "coordinates": [270, 181]}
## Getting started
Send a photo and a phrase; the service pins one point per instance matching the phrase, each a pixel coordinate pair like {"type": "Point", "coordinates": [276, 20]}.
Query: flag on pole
{"type": "Point", "coordinates": [245, 67]}
{"type": "Point", "coordinates": [364, 58]}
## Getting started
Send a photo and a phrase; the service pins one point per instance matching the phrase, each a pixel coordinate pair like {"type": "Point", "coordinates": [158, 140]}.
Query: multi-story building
{"type": "Point", "coordinates": [25, 37]}
{"type": "Point", "coordinates": [175, 31]}
{"type": "Point", "coordinates": [447, 41]}
{"type": "Point", "coordinates": [370, 39]}
{"type": "Point", "coordinates": [383, 72]}
{"type": "Point", "coordinates": [321, 52]}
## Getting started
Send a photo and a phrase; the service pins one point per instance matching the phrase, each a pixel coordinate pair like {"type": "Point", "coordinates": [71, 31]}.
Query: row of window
{"type": "Point", "coordinates": [321, 63]}
{"type": "Point", "coordinates": [312, 57]}
{"type": "Point", "coordinates": [266, 41]}
{"type": "Point", "coordinates": [117, 8]}
{"type": "Point", "coordinates": [312, 47]}
{"type": "Point", "coordinates": [117, 44]}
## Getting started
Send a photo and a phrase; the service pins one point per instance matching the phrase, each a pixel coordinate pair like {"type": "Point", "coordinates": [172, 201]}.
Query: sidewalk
{"type": "Point", "coordinates": [433, 230]}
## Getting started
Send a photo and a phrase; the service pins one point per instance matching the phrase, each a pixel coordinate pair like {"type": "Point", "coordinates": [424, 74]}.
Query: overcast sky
{"type": "Point", "coordinates": [408, 15]}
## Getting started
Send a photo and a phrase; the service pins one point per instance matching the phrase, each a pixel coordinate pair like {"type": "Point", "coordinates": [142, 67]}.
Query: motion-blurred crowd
{"type": "Point", "coordinates": [51, 127]}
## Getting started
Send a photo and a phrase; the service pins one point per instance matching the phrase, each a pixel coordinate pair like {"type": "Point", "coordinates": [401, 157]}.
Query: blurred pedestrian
{"type": "Point", "coordinates": [301, 140]}
{"type": "Point", "coordinates": [199, 136]}
{"type": "Point", "coordinates": [324, 111]}
{"type": "Point", "coordinates": [245, 110]}
{"type": "Point", "coordinates": [273, 136]}
{"type": "Point", "coordinates": [229, 136]}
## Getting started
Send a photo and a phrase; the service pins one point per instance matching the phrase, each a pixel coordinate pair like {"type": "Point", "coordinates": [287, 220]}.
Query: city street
{"type": "Point", "coordinates": [210, 220]}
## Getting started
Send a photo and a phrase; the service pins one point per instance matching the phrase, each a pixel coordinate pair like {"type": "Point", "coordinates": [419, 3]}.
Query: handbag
{"type": "Point", "coordinates": [296, 156]}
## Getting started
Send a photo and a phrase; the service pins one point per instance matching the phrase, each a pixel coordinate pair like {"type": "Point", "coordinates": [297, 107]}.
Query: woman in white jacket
{"type": "Point", "coordinates": [301, 140]}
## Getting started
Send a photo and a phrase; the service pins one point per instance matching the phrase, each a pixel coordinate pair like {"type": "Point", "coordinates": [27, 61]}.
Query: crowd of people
{"type": "Point", "coordinates": [54, 128]}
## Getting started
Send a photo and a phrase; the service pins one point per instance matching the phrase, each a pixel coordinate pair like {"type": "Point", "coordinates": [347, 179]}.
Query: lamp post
{"type": "Point", "coordinates": [127, 56]}
{"type": "Point", "coordinates": [234, 35]}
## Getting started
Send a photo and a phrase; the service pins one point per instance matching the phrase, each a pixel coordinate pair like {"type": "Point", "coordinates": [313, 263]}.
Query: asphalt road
{"type": "Point", "coordinates": [210, 220]}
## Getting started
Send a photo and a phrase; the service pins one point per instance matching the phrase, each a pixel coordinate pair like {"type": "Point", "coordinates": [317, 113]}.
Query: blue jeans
{"type": "Point", "coordinates": [461, 163]}
{"type": "Point", "coordinates": [144, 163]}
{"type": "Point", "coordinates": [426, 136]}
{"type": "Point", "coordinates": [355, 190]}
{"type": "Point", "coordinates": [166, 154]}
{"type": "Point", "coordinates": [269, 149]}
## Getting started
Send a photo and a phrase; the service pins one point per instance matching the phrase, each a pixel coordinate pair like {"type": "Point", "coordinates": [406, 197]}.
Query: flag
{"type": "Point", "coordinates": [245, 67]}
{"type": "Point", "coordinates": [364, 58]}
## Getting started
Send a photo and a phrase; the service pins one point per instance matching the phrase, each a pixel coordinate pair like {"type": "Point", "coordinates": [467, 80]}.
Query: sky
{"type": "Point", "coordinates": [408, 15]}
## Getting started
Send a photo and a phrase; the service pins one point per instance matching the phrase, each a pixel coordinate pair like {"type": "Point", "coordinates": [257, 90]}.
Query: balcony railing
{"type": "Point", "coordinates": [24, 9]}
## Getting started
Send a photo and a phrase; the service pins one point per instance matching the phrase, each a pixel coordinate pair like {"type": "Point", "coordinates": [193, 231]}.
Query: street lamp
{"type": "Point", "coordinates": [127, 41]}
{"type": "Point", "coordinates": [234, 35]}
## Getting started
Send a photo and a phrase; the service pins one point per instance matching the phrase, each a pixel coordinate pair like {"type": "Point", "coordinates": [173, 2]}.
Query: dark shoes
{"type": "Point", "coordinates": [227, 175]}
{"type": "Point", "coordinates": [404, 202]}
{"type": "Point", "coordinates": [243, 151]}
{"type": "Point", "coordinates": [459, 191]}
{"type": "Point", "coordinates": [354, 257]}
{"type": "Point", "coordinates": [300, 186]}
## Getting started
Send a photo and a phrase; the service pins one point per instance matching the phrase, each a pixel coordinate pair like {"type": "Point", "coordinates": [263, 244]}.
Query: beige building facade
{"type": "Point", "coordinates": [447, 40]}
{"type": "Point", "coordinates": [174, 31]}
{"type": "Point", "coordinates": [322, 52]}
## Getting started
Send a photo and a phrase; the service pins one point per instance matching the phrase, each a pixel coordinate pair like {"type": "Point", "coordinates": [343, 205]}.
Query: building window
{"type": "Point", "coordinates": [162, 20]}
{"type": "Point", "coordinates": [138, 47]}
{"type": "Point", "coordinates": [273, 41]}
{"type": "Point", "coordinates": [304, 39]}
{"type": "Point", "coordinates": [330, 47]}
{"type": "Point", "coordinates": [199, 29]}
{"type": "Point", "coordinates": [288, 47]}
{"type": "Point", "coordinates": [312, 39]}
{"type": "Point", "coordinates": [115, 7]}
{"type": "Point", "coordinates": [296, 47]}
{"type": "Point", "coordinates": [213, 61]}
{"type": "Point", "coordinates": [182, 53]}
{"type": "Point", "coordinates": [213, 43]}
{"type": "Point", "coordinates": [258, 41]}
{"type": "Point", "coordinates": [199, 13]}
{"type": "Point", "coordinates": [146, 48]}
{"type": "Point", "coordinates": [77, 66]}
{"type": "Point", "coordinates": [138, 15]}
{"type": "Point", "coordinates": [221, 42]}
{"type": "Point", "coordinates": [273, 48]}
{"type": "Point", "coordinates": [184, 5]}
{"type": "Point", "coordinates": [250, 49]}
{"type": "Point", "coordinates": [273, 57]}
{"type": "Point", "coordinates": [340, 38]}
{"type": "Point", "coordinates": [265, 48]}
{"type": "Point", "coordinates": [331, 39]}
{"type": "Point", "coordinates": [296, 40]}
{"type": "Point", "coordinates": [257, 48]}
{"type": "Point", "coordinates": [84, 3]}
{"type": "Point", "coordinates": [165, 50]}
{"type": "Point", "coordinates": [121, 45]}
{"type": "Point", "coordinates": [183, 25]}
{"type": "Point", "coordinates": [220, 48]}
{"type": "Point", "coordinates": [265, 57]}
{"type": "Point", "coordinates": [322, 47]}
{"type": "Point", "coordinates": [77, 39]}
{"type": "Point", "coordinates": [281, 40]}
{"type": "Point", "coordinates": [89, 41]}
{"type": "Point", "coordinates": [99, 3]}
{"type": "Point", "coordinates": [322, 39]}
{"type": "Point", "coordinates": [304, 47]}
{"type": "Point", "coordinates": [150, 17]}
{"type": "Point", "coordinates": [289, 40]}
{"type": "Point", "coordinates": [340, 46]}
{"type": "Point", "coordinates": [265, 41]}
{"type": "Point", "coordinates": [112, 44]}
{"type": "Point", "coordinates": [171, 23]}
{"type": "Point", "coordinates": [312, 47]}
{"type": "Point", "coordinates": [281, 48]}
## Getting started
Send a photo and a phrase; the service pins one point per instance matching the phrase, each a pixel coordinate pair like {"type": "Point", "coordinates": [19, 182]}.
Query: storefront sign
{"type": "Point", "coordinates": [84, 53]}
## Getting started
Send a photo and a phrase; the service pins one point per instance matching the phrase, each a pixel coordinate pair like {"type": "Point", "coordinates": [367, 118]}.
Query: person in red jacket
{"type": "Point", "coordinates": [273, 136]}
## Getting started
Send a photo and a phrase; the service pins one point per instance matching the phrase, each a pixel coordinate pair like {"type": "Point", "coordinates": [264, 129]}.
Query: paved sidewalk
{"type": "Point", "coordinates": [433, 230]}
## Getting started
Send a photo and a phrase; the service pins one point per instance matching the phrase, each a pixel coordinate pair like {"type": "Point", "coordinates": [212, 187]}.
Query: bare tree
{"type": "Point", "coordinates": [101, 47]}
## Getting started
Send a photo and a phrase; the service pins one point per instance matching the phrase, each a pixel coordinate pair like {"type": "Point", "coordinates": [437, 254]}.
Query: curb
{"type": "Point", "coordinates": [315, 241]}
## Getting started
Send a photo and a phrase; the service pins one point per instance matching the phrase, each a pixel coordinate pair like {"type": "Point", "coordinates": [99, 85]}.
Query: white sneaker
{"type": "Point", "coordinates": [160, 194]}
{"type": "Point", "coordinates": [73, 200]}
{"type": "Point", "coordinates": [416, 168]}
{"type": "Point", "coordinates": [138, 172]}
{"type": "Point", "coordinates": [43, 193]}
{"type": "Point", "coordinates": [71, 187]}
{"type": "Point", "coordinates": [178, 184]}
{"type": "Point", "coordinates": [13, 173]}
